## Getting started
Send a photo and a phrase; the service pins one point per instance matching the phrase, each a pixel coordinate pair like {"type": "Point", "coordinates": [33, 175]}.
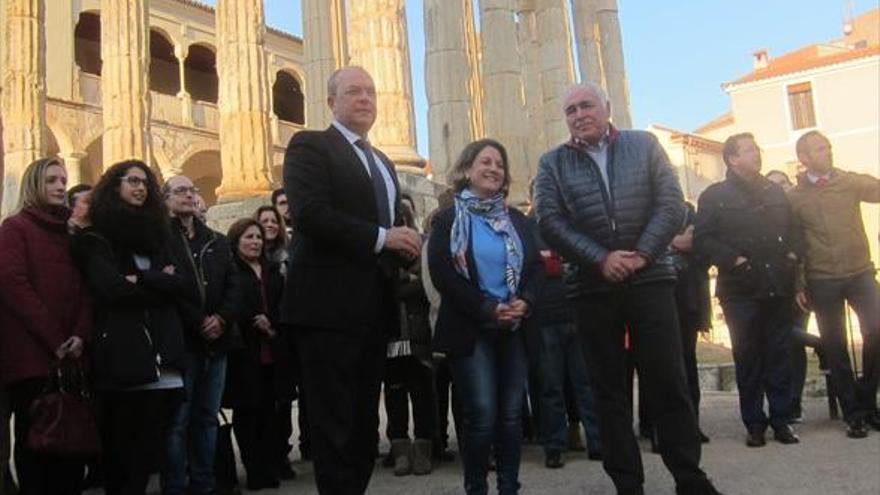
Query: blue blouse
{"type": "Point", "coordinates": [491, 258]}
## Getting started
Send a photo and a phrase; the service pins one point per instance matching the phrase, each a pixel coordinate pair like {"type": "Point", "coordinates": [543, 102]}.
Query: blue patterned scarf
{"type": "Point", "coordinates": [494, 211]}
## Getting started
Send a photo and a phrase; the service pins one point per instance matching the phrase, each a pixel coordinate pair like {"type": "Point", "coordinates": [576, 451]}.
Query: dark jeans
{"type": "Point", "coordinates": [192, 441]}
{"type": "Point", "coordinates": [857, 397]}
{"type": "Point", "coordinates": [342, 375]}
{"type": "Point", "coordinates": [408, 378]}
{"type": "Point", "coordinates": [38, 473]}
{"type": "Point", "coordinates": [799, 343]}
{"type": "Point", "coordinates": [256, 430]}
{"type": "Point", "coordinates": [760, 333]}
{"type": "Point", "coordinates": [560, 356]}
{"type": "Point", "coordinates": [650, 313]}
{"type": "Point", "coordinates": [134, 431]}
{"type": "Point", "coordinates": [490, 384]}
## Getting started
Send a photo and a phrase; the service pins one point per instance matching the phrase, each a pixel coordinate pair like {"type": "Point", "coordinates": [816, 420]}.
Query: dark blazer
{"type": "Point", "coordinates": [465, 310]}
{"type": "Point", "coordinates": [335, 279]}
{"type": "Point", "coordinates": [243, 371]}
{"type": "Point", "coordinates": [754, 220]}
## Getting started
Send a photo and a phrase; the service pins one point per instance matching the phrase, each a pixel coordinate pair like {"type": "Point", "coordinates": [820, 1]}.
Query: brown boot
{"type": "Point", "coordinates": [401, 451]}
{"type": "Point", "coordinates": [421, 463]}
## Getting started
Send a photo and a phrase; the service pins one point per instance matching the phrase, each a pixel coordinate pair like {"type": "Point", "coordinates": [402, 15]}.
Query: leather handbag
{"type": "Point", "coordinates": [63, 418]}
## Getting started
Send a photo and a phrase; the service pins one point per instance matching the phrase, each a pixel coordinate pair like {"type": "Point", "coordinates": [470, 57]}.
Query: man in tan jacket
{"type": "Point", "coordinates": [826, 203]}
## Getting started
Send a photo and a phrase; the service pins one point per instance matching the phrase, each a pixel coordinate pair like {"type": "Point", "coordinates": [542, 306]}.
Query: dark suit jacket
{"type": "Point", "coordinates": [335, 279]}
{"type": "Point", "coordinates": [465, 310]}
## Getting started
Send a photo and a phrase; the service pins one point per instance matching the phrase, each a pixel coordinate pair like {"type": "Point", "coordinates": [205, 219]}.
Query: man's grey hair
{"type": "Point", "coordinates": [589, 86]}
{"type": "Point", "coordinates": [166, 187]}
{"type": "Point", "coordinates": [332, 81]}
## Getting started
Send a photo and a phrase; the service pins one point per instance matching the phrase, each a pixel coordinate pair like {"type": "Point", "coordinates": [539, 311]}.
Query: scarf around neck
{"type": "Point", "coordinates": [494, 212]}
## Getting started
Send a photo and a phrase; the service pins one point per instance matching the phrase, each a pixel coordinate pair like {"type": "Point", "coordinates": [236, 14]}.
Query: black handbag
{"type": "Point", "coordinates": [125, 356]}
{"type": "Point", "coordinates": [225, 471]}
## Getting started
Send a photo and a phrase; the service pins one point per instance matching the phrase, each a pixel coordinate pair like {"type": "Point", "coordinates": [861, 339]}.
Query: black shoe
{"type": "Point", "coordinates": [873, 420]}
{"type": "Point", "coordinates": [285, 472]}
{"type": "Point", "coordinates": [594, 455]}
{"type": "Point", "coordinates": [443, 455]}
{"type": "Point", "coordinates": [388, 460]}
{"type": "Point", "coordinates": [260, 483]}
{"type": "Point", "coordinates": [554, 460]}
{"type": "Point", "coordinates": [785, 435]}
{"type": "Point", "coordinates": [857, 429]}
{"type": "Point", "coordinates": [704, 487]}
{"type": "Point", "coordinates": [755, 438]}
{"type": "Point", "coordinates": [703, 437]}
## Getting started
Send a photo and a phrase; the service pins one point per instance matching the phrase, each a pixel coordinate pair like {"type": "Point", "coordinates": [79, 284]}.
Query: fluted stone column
{"type": "Point", "coordinates": [325, 50]}
{"type": "Point", "coordinates": [24, 93]}
{"type": "Point", "coordinates": [557, 65]}
{"type": "Point", "coordinates": [449, 81]}
{"type": "Point", "coordinates": [377, 41]}
{"type": "Point", "coordinates": [611, 46]}
{"type": "Point", "coordinates": [243, 99]}
{"type": "Point", "coordinates": [504, 115]}
{"type": "Point", "coordinates": [587, 35]}
{"type": "Point", "coordinates": [124, 80]}
{"type": "Point", "coordinates": [530, 52]}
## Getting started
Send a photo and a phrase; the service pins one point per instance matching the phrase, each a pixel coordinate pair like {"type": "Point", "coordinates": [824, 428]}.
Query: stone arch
{"type": "Point", "coordinates": [164, 66]}
{"type": "Point", "coordinates": [63, 142]}
{"type": "Point", "coordinates": [92, 165]}
{"type": "Point", "coordinates": [200, 72]}
{"type": "Point", "coordinates": [87, 42]}
{"type": "Point", "coordinates": [288, 101]}
{"type": "Point", "coordinates": [204, 169]}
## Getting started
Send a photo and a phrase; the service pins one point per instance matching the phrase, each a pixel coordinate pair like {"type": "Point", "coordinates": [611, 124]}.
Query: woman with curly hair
{"type": "Point", "coordinates": [126, 259]}
{"type": "Point", "coordinates": [276, 240]}
{"type": "Point", "coordinates": [45, 316]}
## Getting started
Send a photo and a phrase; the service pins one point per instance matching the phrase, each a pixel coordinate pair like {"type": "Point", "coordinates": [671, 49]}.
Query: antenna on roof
{"type": "Point", "coordinates": [847, 17]}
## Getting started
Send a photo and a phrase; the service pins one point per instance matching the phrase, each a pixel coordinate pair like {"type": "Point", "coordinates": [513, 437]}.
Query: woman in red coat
{"type": "Point", "coordinates": [45, 315]}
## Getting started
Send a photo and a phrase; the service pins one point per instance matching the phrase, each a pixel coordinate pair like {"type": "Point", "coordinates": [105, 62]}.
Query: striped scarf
{"type": "Point", "coordinates": [494, 211]}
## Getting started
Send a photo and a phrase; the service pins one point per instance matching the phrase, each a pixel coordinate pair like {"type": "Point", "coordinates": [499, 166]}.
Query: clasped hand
{"type": "Point", "coordinates": [404, 241]}
{"type": "Point", "coordinates": [511, 313]}
{"type": "Point", "coordinates": [620, 265]}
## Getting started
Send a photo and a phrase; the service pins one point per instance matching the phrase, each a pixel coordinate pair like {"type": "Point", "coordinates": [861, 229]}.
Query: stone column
{"type": "Point", "coordinates": [73, 164]}
{"type": "Point", "coordinates": [504, 115]}
{"type": "Point", "coordinates": [530, 53]}
{"type": "Point", "coordinates": [611, 49]}
{"type": "Point", "coordinates": [181, 52]}
{"type": "Point", "coordinates": [448, 80]}
{"type": "Point", "coordinates": [557, 66]}
{"type": "Point", "coordinates": [587, 35]}
{"type": "Point", "coordinates": [125, 47]}
{"type": "Point", "coordinates": [378, 42]}
{"type": "Point", "coordinates": [243, 99]}
{"type": "Point", "coordinates": [24, 93]}
{"type": "Point", "coordinates": [325, 50]}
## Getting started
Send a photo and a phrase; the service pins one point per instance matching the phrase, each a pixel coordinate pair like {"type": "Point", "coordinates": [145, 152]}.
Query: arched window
{"type": "Point", "coordinates": [288, 98]}
{"type": "Point", "coordinates": [200, 71]}
{"type": "Point", "coordinates": [87, 43]}
{"type": "Point", "coordinates": [164, 71]}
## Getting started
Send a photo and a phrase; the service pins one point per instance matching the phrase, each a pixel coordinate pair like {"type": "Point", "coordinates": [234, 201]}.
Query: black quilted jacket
{"type": "Point", "coordinates": [642, 210]}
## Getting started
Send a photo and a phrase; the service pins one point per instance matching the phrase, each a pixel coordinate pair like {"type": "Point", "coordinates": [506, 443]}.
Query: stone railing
{"type": "Point", "coordinates": [205, 116]}
{"type": "Point", "coordinates": [286, 130]}
{"type": "Point", "coordinates": [90, 88]}
{"type": "Point", "coordinates": [165, 108]}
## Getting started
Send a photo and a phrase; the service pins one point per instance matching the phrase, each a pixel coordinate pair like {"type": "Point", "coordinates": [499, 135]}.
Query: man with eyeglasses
{"type": "Point", "coordinates": [206, 261]}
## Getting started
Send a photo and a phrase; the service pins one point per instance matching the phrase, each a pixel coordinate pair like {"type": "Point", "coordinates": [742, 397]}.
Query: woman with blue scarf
{"type": "Point", "coordinates": [484, 262]}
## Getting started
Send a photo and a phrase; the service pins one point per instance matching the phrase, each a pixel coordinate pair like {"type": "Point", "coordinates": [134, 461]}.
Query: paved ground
{"type": "Point", "coordinates": [825, 463]}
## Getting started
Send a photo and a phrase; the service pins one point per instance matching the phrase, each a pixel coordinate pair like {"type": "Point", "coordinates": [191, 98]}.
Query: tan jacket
{"type": "Point", "coordinates": [831, 221]}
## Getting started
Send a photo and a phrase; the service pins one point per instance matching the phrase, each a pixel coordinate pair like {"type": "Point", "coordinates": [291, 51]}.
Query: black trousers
{"type": "Point", "coordinates": [257, 430]}
{"type": "Point", "coordinates": [445, 390]}
{"type": "Point", "coordinates": [342, 375]}
{"type": "Point", "coordinates": [407, 378]}
{"type": "Point", "coordinates": [134, 430]}
{"type": "Point", "coordinates": [649, 311]}
{"type": "Point", "coordinates": [38, 473]}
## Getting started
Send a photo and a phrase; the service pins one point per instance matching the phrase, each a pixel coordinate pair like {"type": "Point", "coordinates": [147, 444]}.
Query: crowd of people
{"type": "Point", "coordinates": [521, 326]}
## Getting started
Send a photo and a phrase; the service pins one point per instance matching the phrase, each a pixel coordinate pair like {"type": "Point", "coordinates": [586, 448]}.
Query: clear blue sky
{"type": "Point", "coordinates": [678, 53]}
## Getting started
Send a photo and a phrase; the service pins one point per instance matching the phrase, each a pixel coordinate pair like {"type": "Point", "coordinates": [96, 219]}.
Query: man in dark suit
{"type": "Point", "coordinates": [344, 201]}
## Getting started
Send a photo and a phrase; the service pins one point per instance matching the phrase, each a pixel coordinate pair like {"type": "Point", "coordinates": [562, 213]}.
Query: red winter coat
{"type": "Point", "coordinates": [43, 297]}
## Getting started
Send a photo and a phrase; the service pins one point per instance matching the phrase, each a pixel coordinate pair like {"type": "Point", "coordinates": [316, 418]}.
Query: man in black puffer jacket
{"type": "Point", "coordinates": [744, 227]}
{"type": "Point", "coordinates": [210, 332]}
{"type": "Point", "coordinates": [610, 202]}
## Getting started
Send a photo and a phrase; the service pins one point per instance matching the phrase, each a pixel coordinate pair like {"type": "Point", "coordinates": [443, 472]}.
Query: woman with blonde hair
{"type": "Point", "coordinates": [45, 315]}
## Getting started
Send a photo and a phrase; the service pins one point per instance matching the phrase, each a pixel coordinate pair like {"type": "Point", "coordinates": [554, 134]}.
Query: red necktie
{"type": "Point", "coordinates": [821, 182]}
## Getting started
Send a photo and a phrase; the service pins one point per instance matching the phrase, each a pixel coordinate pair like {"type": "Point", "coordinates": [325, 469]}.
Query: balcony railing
{"type": "Point", "coordinates": [90, 88]}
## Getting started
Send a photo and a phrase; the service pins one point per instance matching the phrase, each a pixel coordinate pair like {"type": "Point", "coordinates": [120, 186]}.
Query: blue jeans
{"type": "Point", "coordinates": [760, 331]}
{"type": "Point", "coordinates": [490, 385]}
{"type": "Point", "coordinates": [561, 353]}
{"type": "Point", "coordinates": [192, 439]}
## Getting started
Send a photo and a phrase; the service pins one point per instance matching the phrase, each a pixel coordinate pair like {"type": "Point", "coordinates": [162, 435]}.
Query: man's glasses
{"type": "Point", "coordinates": [134, 181]}
{"type": "Point", "coordinates": [181, 190]}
